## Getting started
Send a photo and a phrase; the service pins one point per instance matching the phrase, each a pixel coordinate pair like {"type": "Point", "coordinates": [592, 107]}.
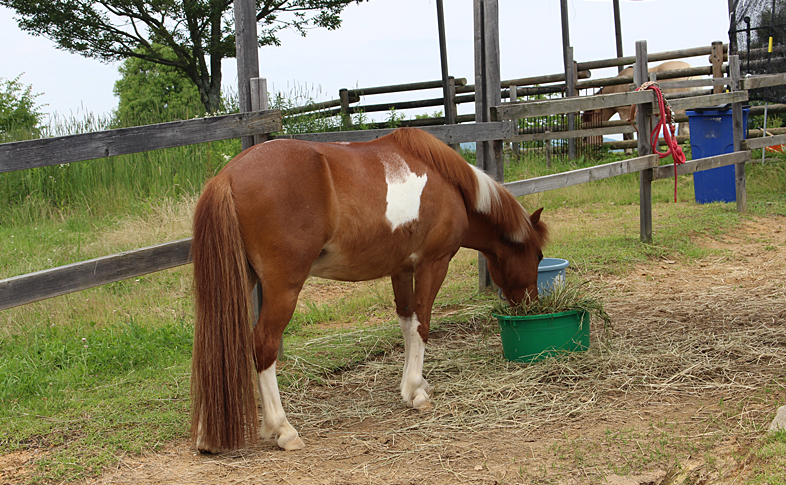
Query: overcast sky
{"type": "Point", "coordinates": [389, 42]}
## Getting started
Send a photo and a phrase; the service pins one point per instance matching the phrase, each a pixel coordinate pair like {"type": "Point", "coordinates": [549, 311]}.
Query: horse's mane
{"type": "Point", "coordinates": [482, 194]}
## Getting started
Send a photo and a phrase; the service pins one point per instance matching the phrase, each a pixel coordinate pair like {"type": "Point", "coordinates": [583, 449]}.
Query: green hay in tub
{"type": "Point", "coordinates": [567, 296]}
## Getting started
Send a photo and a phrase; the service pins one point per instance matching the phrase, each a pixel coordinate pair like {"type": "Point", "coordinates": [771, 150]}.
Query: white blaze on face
{"type": "Point", "coordinates": [404, 191]}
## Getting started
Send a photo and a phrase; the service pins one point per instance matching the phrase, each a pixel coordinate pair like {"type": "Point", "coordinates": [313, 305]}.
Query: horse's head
{"type": "Point", "coordinates": [515, 268]}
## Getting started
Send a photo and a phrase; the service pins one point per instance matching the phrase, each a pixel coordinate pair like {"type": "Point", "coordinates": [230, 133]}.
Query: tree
{"type": "Point", "coordinates": [154, 93]}
{"type": "Point", "coordinates": [19, 115]}
{"type": "Point", "coordinates": [199, 33]}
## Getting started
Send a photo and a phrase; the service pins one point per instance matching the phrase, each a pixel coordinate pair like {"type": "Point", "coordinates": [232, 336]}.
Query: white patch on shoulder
{"type": "Point", "coordinates": [486, 191]}
{"type": "Point", "coordinates": [404, 191]}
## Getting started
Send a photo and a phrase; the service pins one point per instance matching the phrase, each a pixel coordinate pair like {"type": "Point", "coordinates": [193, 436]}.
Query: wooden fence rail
{"type": "Point", "coordinates": [23, 155]}
{"type": "Point", "coordinates": [581, 176]}
{"type": "Point", "coordinates": [32, 287]}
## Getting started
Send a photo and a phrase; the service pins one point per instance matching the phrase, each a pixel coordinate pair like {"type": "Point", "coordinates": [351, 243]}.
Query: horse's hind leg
{"type": "Point", "coordinates": [278, 305]}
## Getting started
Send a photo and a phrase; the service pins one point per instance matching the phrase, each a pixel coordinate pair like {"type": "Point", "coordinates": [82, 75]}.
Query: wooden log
{"type": "Point", "coordinates": [23, 155]}
{"type": "Point", "coordinates": [581, 176]}
{"type": "Point", "coordinates": [691, 166]}
{"type": "Point", "coordinates": [654, 57]}
{"type": "Point", "coordinates": [310, 108]}
{"type": "Point", "coordinates": [672, 74]}
{"type": "Point", "coordinates": [62, 280]}
{"type": "Point", "coordinates": [544, 79]}
{"type": "Point", "coordinates": [420, 103]}
{"type": "Point", "coordinates": [532, 109]}
{"type": "Point", "coordinates": [716, 59]}
{"type": "Point", "coordinates": [397, 88]}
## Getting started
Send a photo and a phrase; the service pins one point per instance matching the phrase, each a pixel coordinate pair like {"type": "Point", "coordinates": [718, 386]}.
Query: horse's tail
{"type": "Point", "coordinates": [223, 406]}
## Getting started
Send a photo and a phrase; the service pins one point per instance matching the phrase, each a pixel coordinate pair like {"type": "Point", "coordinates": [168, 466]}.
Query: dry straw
{"type": "Point", "coordinates": [663, 348]}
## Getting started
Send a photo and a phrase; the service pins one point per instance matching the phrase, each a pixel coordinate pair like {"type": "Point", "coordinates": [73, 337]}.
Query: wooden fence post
{"type": "Point", "coordinates": [346, 119]}
{"type": "Point", "coordinates": [570, 91]}
{"type": "Point", "coordinates": [487, 94]}
{"type": "Point", "coordinates": [259, 102]}
{"type": "Point", "coordinates": [513, 97]}
{"type": "Point", "coordinates": [451, 118]}
{"type": "Point", "coordinates": [716, 59]}
{"type": "Point", "coordinates": [738, 134]}
{"type": "Point", "coordinates": [247, 56]}
{"type": "Point", "coordinates": [548, 151]}
{"type": "Point", "coordinates": [644, 124]}
{"type": "Point", "coordinates": [452, 114]}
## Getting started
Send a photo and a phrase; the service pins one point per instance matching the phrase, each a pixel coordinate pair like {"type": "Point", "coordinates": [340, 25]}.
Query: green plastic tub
{"type": "Point", "coordinates": [535, 337]}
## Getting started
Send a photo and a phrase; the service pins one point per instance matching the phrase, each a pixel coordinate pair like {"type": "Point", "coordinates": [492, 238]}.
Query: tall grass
{"type": "Point", "coordinates": [111, 185]}
{"type": "Point", "coordinates": [115, 185]}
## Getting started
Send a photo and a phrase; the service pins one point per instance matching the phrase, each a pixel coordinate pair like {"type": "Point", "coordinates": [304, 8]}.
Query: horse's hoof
{"type": "Point", "coordinates": [421, 401]}
{"type": "Point", "coordinates": [208, 450]}
{"type": "Point", "coordinates": [295, 444]}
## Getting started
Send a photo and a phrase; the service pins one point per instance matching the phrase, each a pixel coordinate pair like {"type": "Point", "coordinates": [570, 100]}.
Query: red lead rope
{"type": "Point", "coordinates": [666, 124]}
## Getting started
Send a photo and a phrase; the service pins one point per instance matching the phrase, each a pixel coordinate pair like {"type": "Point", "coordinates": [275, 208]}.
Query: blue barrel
{"type": "Point", "coordinates": [712, 133]}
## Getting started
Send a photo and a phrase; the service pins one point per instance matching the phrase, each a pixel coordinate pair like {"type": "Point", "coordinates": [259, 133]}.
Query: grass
{"type": "Point", "coordinates": [94, 375]}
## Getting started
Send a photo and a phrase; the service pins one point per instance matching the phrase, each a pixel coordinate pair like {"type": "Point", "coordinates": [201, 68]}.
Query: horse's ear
{"type": "Point", "coordinates": [535, 217]}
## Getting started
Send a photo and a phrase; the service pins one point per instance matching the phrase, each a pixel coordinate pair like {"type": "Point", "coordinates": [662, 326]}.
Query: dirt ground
{"type": "Point", "coordinates": [632, 434]}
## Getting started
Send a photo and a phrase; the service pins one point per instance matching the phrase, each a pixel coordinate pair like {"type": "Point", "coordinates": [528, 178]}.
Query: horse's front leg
{"type": "Point", "coordinates": [414, 310]}
{"type": "Point", "coordinates": [414, 389]}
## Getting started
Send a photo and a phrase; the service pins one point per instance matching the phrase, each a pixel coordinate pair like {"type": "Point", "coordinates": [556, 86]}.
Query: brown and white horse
{"type": "Point", "coordinates": [605, 114]}
{"type": "Point", "coordinates": [399, 206]}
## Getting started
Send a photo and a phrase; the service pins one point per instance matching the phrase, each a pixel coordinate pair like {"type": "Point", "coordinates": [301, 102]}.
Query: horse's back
{"type": "Point", "coordinates": [337, 205]}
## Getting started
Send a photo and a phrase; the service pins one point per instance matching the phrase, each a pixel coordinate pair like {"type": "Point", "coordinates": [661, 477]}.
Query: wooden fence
{"type": "Point", "coordinates": [23, 289]}
{"type": "Point", "coordinates": [20, 290]}
{"type": "Point", "coordinates": [461, 93]}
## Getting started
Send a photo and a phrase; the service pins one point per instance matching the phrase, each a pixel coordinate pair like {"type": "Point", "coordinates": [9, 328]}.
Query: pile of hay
{"type": "Point", "coordinates": [663, 347]}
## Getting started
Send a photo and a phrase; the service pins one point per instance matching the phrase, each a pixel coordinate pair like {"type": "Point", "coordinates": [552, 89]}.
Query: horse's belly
{"type": "Point", "coordinates": [359, 265]}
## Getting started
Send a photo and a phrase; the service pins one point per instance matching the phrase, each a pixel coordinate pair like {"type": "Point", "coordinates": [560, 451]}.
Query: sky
{"type": "Point", "coordinates": [384, 42]}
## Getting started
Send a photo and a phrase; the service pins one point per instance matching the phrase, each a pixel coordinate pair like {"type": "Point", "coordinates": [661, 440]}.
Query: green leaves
{"type": "Point", "coordinates": [197, 34]}
{"type": "Point", "coordinates": [19, 115]}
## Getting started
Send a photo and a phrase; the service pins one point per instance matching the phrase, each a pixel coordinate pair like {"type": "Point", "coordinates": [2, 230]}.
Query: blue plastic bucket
{"type": "Point", "coordinates": [551, 272]}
